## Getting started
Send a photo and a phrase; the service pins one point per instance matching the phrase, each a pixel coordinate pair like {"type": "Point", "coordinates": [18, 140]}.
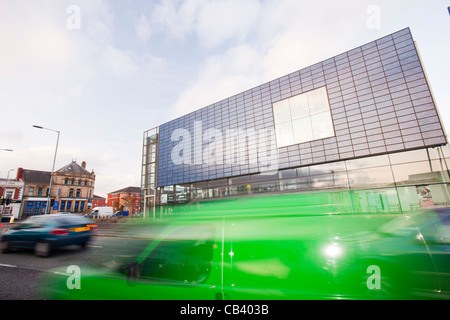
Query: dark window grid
{"type": "Point", "coordinates": [400, 93]}
{"type": "Point", "coordinates": [385, 123]}
{"type": "Point", "coordinates": [430, 127]}
{"type": "Point", "coordinates": [386, 113]}
{"type": "Point", "coordinates": [402, 33]}
{"type": "Point", "coordinates": [371, 124]}
{"type": "Point", "coordinates": [408, 60]}
{"type": "Point", "coordinates": [369, 47]}
{"type": "Point", "coordinates": [332, 82]}
{"type": "Point", "coordinates": [361, 147]}
{"type": "Point", "coordinates": [391, 67]}
{"type": "Point", "coordinates": [318, 148]}
{"type": "Point", "coordinates": [406, 118]}
{"type": "Point", "coordinates": [409, 124]}
{"type": "Point", "coordinates": [407, 54]}
{"type": "Point", "coordinates": [332, 90]}
{"type": "Point", "coordinates": [360, 70]}
{"type": "Point", "coordinates": [392, 72]}
{"type": "Point", "coordinates": [376, 141]}
{"type": "Point", "coordinates": [406, 49]}
{"type": "Point", "coordinates": [345, 76]}
{"type": "Point", "coordinates": [435, 141]}
{"type": "Point", "coordinates": [346, 86]}
{"type": "Point", "coordinates": [395, 138]}
{"type": "Point", "coordinates": [371, 57]}
{"type": "Point", "coordinates": [331, 72]}
{"type": "Point", "coordinates": [319, 82]}
{"type": "Point", "coordinates": [420, 101]}
{"type": "Point", "coordinates": [352, 109]}
{"type": "Point", "coordinates": [384, 42]}
{"type": "Point", "coordinates": [306, 81]}
{"type": "Point", "coordinates": [414, 144]}
{"type": "Point", "coordinates": [356, 60]}
{"type": "Point", "coordinates": [389, 61]}
{"type": "Point", "coordinates": [377, 78]}
{"type": "Point", "coordinates": [315, 67]}
{"type": "Point", "coordinates": [395, 147]}
{"type": "Point", "coordinates": [410, 136]}
{"type": "Point", "coordinates": [354, 52]}
{"type": "Point", "coordinates": [401, 44]}
{"type": "Point", "coordinates": [386, 50]}
{"type": "Point", "coordinates": [424, 107]}
{"type": "Point", "coordinates": [356, 127]}
{"type": "Point", "coordinates": [345, 65]}
{"type": "Point", "coordinates": [378, 150]}
{"type": "Point", "coordinates": [416, 83]}
{"type": "Point", "coordinates": [374, 66]}
{"type": "Point", "coordinates": [338, 114]}
{"type": "Point", "coordinates": [414, 77]}
{"type": "Point", "coordinates": [305, 75]}
{"type": "Point", "coordinates": [358, 137]}
{"type": "Point", "coordinates": [400, 86]}
{"type": "Point", "coordinates": [412, 71]}
{"type": "Point", "coordinates": [331, 152]}
{"type": "Point", "coordinates": [329, 68]}
{"type": "Point", "coordinates": [341, 59]}
{"type": "Point", "coordinates": [432, 134]}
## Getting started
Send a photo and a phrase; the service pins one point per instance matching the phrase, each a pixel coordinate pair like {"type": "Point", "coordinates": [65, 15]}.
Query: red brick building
{"type": "Point", "coordinates": [11, 195]}
{"type": "Point", "coordinates": [129, 198]}
{"type": "Point", "coordinates": [98, 201]}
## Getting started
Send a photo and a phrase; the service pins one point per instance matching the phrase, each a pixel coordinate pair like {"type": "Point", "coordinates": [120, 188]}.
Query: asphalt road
{"type": "Point", "coordinates": [21, 271]}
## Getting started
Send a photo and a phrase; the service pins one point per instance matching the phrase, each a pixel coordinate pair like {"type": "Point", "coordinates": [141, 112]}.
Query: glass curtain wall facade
{"type": "Point", "coordinates": [364, 121]}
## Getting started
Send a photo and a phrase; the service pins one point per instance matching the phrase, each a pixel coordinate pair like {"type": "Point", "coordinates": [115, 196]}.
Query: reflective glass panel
{"type": "Point", "coordinates": [282, 111]}
{"type": "Point", "coordinates": [318, 100]}
{"type": "Point", "coordinates": [285, 135]}
{"type": "Point", "coordinates": [303, 130]}
{"type": "Point", "coordinates": [299, 106]}
{"type": "Point", "coordinates": [322, 125]}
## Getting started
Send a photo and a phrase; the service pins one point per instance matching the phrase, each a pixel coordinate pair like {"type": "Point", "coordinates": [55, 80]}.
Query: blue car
{"type": "Point", "coordinates": [46, 232]}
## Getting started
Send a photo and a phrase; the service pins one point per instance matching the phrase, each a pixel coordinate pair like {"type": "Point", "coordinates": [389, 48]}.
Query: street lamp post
{"type": "Point", "coordinates": [47, 208]}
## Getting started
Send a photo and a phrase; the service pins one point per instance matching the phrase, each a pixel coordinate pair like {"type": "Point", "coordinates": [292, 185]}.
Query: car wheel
{"type": "Point", "coordinates": [4, 246]}
{"type": "Point", "coordinates": [42, 249]}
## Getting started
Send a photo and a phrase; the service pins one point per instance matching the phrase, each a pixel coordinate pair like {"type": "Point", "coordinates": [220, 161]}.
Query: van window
{"type": "Point", "coordinates": [185, 255]}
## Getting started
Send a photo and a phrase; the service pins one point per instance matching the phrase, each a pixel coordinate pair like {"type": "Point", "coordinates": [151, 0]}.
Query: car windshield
{"type": "Point", "coordinates": [33, 222]}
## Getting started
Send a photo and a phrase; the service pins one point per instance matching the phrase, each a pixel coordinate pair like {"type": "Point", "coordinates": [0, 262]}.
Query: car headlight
{"type": "Point", "coordinates": [333, 251]}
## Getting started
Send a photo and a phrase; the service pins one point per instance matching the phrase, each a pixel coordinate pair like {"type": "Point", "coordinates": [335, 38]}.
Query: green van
{"type": "Point", "coordinates": [276, 247]}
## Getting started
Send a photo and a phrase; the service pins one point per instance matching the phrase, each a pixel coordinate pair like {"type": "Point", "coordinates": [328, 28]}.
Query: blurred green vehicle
{"type": "Point", "coordinates": [273, 248]}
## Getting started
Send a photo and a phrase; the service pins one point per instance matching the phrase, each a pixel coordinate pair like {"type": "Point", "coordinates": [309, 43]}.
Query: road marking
{"type": "Point", "coordinates": [7, 265]}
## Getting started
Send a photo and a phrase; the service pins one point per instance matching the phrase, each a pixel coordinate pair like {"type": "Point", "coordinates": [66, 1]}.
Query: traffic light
{"type": "Point", "coordinates": [8, 201]}
{"type": "Point", "coordinates": [1, 201]}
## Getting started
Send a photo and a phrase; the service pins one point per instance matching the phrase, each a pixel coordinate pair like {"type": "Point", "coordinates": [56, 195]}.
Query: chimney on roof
{"type": "Point", "coordinates": [83, 164]}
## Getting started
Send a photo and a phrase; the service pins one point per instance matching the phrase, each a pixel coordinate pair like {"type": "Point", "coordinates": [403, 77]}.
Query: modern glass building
{"type": "Point", "coordinates": [364, 122]}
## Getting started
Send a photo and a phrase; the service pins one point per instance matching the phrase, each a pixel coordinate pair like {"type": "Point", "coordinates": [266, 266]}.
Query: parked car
{"type": "Point", "coordinates": [102, 212]}
{"type": "Point", "coordinates": [45, 232]}
{"type": "Point", "coordinates": [274, 250]}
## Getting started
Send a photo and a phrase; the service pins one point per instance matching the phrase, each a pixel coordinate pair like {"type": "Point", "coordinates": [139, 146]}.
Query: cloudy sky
{"type": "Point", "coordinates": [102, 72]}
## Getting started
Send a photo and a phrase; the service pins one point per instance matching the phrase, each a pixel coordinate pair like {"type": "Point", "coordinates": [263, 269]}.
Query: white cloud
{"type": "Point", "coordinates": [119, 62]}
{"type": "Point", "coordinates": [178, 17]}
{"type": "Point", "coordinates": [222, 75]}
{"type": "Point", "coordinates": [142, 27]}
{"type": "Point", "coordinates": [219, 21]}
